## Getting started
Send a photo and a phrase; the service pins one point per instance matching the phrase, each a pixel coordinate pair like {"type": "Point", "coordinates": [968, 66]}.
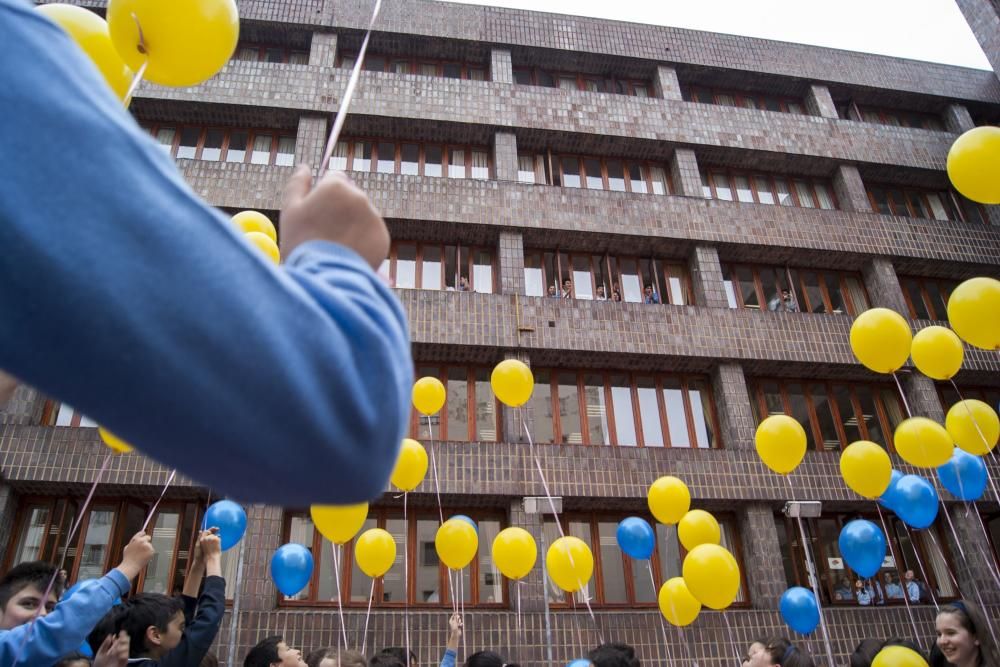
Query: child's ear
{"type": "Point", "coordinates": [153, 636]}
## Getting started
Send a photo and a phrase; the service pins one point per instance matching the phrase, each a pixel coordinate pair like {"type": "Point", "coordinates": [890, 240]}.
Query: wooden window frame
{"type": "Point", "coordinates": [925, 296]}
{"type": "Point", "coordinates": [646, 165]}
{"type": "Point", "coordinates": [446, 148]}
{"type": "Point", "coordinates": [264, 47]}
{"type": "Point", "coordinates": [276, 137]}
{"type": "Point", "coordinates": [471, 251]}
{"type": "Point", "coordinates": [954, 206]}
{"type": "Point", "coordinates": [758, 99]}
{"type": "Point", "coordinates": [442, 435]}
{"type": "Point", "coordinates": [794, 277]}
{"type": "Point", "coordinates": [929, 121]}
{"type": "Point", "coordinates": [612, 85]}
{"type": "Point", "coordinates": [416, 62]}
{"type": "Point", "coordinates": [709, 174]}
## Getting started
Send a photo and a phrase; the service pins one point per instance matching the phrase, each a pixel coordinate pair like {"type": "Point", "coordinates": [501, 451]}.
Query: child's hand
{"type": "Point", "coordinates": [210, 545]}
{"type": "Point", "coordinates": [113, 651]}
{"type": "Point", "coordinates": [455, 624]}
{"type": "Point", "coordinates": [138, 552]}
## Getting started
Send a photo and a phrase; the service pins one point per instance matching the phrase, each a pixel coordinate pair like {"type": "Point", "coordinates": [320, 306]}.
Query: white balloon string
{"type": "Point", "coordinates": [902, 579]}
{"type": "Point", "coordinates": [152, 510]}
{"type": "Point", "coordinates": [989, 449]}
{"type": "Point", "coordinates": [136, 80]}
{"type": "Point", "coordinates": [902, 394]}
{"type": "Point", "coordinates": [406, 575]}
{"type": "Point", "coordinates": [364, 635]}
{"type": "Point", "coordinates": [732, 641]}
{"type": "Point", "coordinates": [335, 549]}
{"type": "Point", "coordinates": [687, 649]}
{"type": "Point", "coordinates": [461, 602]}
{"type": "Point", "coordinates": [663, 624]}
{"type": "Point", "coordinates": [434, 467]}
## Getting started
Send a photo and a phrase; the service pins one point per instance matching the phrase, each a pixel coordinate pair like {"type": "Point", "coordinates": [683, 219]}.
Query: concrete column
{"type": "Point", "coordinates": [706, 277]}
{"type": "Point", "coordinates": [501, 70]}
{"type": "Point", "coordinates": [765, 578]}
{"type": "Point", "coordinates": [263, 537]}
{"type": "Point", "coordinates": [850, 189]}
{"type": "Point", "coordinates": [310, 140]}
{"type": "Point", "coordinates": [684, 173]}
{"type": "Point", "coordinates": [819, 102]}
{"type": "Point", "coordinates": [323, 50]}
{"type": "Point", "coordinates": [666, 85]}
{"type": "Point", "coordinates": [957, 119]}
{"type": "Point", "coordinates": [883, 285]}
{"type": "Point", "coordinates": [511, 418]}
{"type": "Point", "coordinates": [732, 402]}
{"type": "Point", "coordinates": [505, 156]}
{"type": "Point", "coordinates": [973, 570]}
{"type": "Point", "coordinates": [533, 585]}
{"type": "Point", "coordinates": [511, 260]}
{"type": "Point", "coordinates": [922, 396]}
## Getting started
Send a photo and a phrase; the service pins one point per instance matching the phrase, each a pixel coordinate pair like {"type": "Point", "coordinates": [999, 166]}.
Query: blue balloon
{"type": "Point", "coordinates": [964, 475]}
{"type": "Point", "coordinates": [467, 520]}
{"type": "Point", "coordinates": [86, 650]}
{"type": "Point", "coordinates": [636, 538]}
{"type": "Point", "coordinates": [230, 519]}
{"type": "Point", "coordinates": [291, 568]}
{"type": "Point", "coordinates": [916, 501]}
{"type": "Point", "coordinates": [582, 662]}
{"type": "Point", "coordinates": [799, 609]}
{"type": "Point", "coordinates": [863, 547]}
{"type": "Point", "coordinates": [888, 499]}
{"type": "Point", "coordinates": [83, 583]}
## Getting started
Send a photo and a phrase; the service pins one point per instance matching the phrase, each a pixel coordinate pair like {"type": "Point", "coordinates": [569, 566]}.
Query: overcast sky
{"type": "Point", "coordinates": [932, 30]}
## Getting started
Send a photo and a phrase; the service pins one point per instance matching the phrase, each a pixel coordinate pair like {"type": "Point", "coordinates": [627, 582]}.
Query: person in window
{"type": "Point", "coordinates": [649, 296]}
{"type": "Point", "coordinates": [914, 589]}
{"type": "Point", "coordinates": [567, 289]}
{"type": "Point", "coordinates": [601, 296]}
{"type": "Point", "coordinates": [553, 293]}
{"type": "Point", "coordinates": [616, 296]}
{"type": "Point", "coordinates": [863, 594]}
{"type": "Point", "coordinates": [893, 591]}
{"type": "Point", "coordinates": [784, 303]}
{"type": "Point", "coordinates": [463, 284]}
{"type": "Point", "coordinates": [842, 593]}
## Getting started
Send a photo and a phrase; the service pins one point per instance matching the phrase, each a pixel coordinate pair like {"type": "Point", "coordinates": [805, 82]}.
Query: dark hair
{"type": "Point", "coordinates": [70, 658]}
{"type": "Point", "coordinates": [264, 653]}
{"type": "Point", "coordinates": [972, 619]}
{"type": "Point", "coordinates": [32, 573]}
{"type": "Point", "coordinates": [210, 660]}
{"type": "Point", "coordinates": [135, 616]}
{"type": "Point", "coordinates": [343, 659]}
{"type": "Point", "coordinates": [487, 659]}
{"type": "Point", "coordinates": [865, 652]}
{"type": "Point", "coordinates": [385, 660]}
{"type": "Point", "coordinates": [787, 654]}
{"type": "Point", "coordinates": [935, 657]}
{"type": "Point", "coordinates": [614, 654]}
{"type": "Point", "coordinates": [397, 652]}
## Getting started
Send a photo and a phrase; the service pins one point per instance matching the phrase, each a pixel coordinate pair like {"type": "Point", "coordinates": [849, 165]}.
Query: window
{"type": "Point", "coordinates": [412, 159]}
{"type": "Point", "coordinates": [599, 277]}
{"type": "Point", "coordinates": [925, 204]}
{"type": "Point", "coordinates": [808, 290]}
{"type": "Point", "coordinates": [418, 66]}
{"type": "Point", "coordinates": [922, 551]}
{"type": "Point", "coordinates": [645, 410]}
{"type": "Point", "coordinates": [768, 189]}
{"type": "Point", "coordinates": [226, 144]}
{"type": "Point", "coordinates": [988, 395]}
{"type": "Point", "coordinates": [613, 174]}
{"type": "Point", "coordinates": [833, 414]}
{"type": "Point", "coordinates": [526, 170]}
{"type": "Point", "coordinates": [61, 414]}
{"type": "Point", "coordinates": [898, 118]}
{"type": "Point", "coordinates": [927, 298]}
{"type": "Point", "coordinates": [743, 99]}
{"type": "Point", "coordinates": [272, 54]}
{"type": "Point", "coordinates": [472, 413]}
{"type": "Point", "coordinates": [534, 76]}
{"type": "Point", "coordinates": [620, 581]}
{"type": "Point", "coordinates": [428, 577]}
{"type": "Point", "coordinates": [440, 267]}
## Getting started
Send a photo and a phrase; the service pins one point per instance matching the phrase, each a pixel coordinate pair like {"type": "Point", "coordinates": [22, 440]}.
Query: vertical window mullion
{"type": "Point", "coordinates": [661, 405]}
{"type": "Point", "coordinates": [688, 412]}
{"type": "Point", "coordinates": [581, 400]}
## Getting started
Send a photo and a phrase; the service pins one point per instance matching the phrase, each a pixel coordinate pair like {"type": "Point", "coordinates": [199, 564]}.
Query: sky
{"type": "Point", "coordinates": [931, 30]}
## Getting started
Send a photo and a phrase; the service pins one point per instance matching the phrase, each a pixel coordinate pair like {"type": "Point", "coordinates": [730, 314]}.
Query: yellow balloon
{"type": "Point", "coordinates": [428, 395]}
{"type": "Point", "coordinates": [514, 552]}
{"type": "Point", "coordinates": [898, 656]}
{"type": "Point", "coordinates": [974, 309]}
{"type": "Point", "coordinates": [677, 604]}
{"type": "Point", "coordinates": [265, 244]}
{"type": "Point", "coordinates": [512, 382]}
{"type": "Point", "coordinates": [937, 352]}
{"type": "Point", "coordinates": [978, 432]}
{"type": "Point", "coordinates": [570, 563]}
{"type": "Point", "coordinates": [375, 552]}
{"type": "Point", "coordinates": [712, 575]}
{"type": "Point", "coordinates": [339, 523]}
{"type": "Point", "coordinates": [923, 442]}
{"type": "Point", "coordinates": [698, 527]}
{"type": "Point", "coordinates": [974, 162]}
{"type": "Point", "coordinates": [185, 41]}
{"type": "Point", "coordinates": [781, 443]}
{"type": "Point", "coordinates": [880, 339]}
{"type": "Point", "coordinates": [113, 442]}
{"type": "Point", "coordinates": [456, 543]}
{"type": "Point", "coordinates": [90, 32]}
{"type": "Point", "coordinates": [669, 499]}
{"type": "Point", "coordinates": [255, 221]}
{"type": "Point", "coordinates": [866, 468]}
{"type": "Point", "coordinates": [411, 465]}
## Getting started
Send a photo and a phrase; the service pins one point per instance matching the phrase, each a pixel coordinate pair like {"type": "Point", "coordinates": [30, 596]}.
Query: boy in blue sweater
{"type": "Point", "coordinates": [59, 628]}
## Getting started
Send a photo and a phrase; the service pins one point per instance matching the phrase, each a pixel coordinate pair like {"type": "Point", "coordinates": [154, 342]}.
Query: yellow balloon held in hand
{"type": "Point", "coordinates": [712, 575]}
{"type": "Point", "coordinates": [265, 244]}
{"type": "Point", "coordinates": [514, 552]}
{"type": "Point", "coordinates": [937, 352]}
{"type": "Point", "coordinates": [974, 163]}
{"type": "Point", "coordinates": [698, 527]}
{"type": "Point", "coordinates": [411, 465]}
{"type": "Point", "coordinates": [184, 41]}
{"type": "Point", "coordinates": [456, 543]}
{"type": "Point", "coordinates": [898, 656]}
{"type": "Point", "coordinates": [669, 499]}
{"type": "Point", "coordinates": [428, 395]}
{"type": "Point", "coordinates": [866, 468]}
{"type": "Point", "coordinates": [880, 339]}
{"type": "Point", "coordinates": [974, 309]}
{"type": "Point", "coordinates": [255, 221]}
{"type": "Point", "coordinates": [781, 443]}
{"type": "Point", "coordinates": [113, 442]}
{"type": "Point", "coordinates": [974, 426]}
{"type": "Point", "coordinates": [570, 563]}
{"type": "Point", "coordinates": [512, 382]}
{"type": "Point", "coordinates": [375, 552]}
{"type": "Point", "coordinates": [339, 523]}
{"type": "Point", "coordinates": [677, 605]}
{"type": "Point", "coordinates": [90, 32]}
{"type": "Point", "coordinates": [923, 442]}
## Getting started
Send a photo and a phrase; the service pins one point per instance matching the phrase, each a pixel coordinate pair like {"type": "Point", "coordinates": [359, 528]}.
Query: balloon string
{"type": "Point", "coordinates": [990, 450]}
{"type": "Point", "coordinates": [902, 394]}
{"type": "Point", "coordinates": [434, 467]}
{"type": "Point", "coordinates": [979, 597]}
{"type": "Point", "coordinates": [461, 602]}
{"type": "Point", "coordinates": [335, 550]}
{"type": "Point", "coordinates": [663, 625]}
{"type": "Point", "coordinates": [687, 649]}
{"type": "Point", "coordinates": [152, 510]}
{"type": "Point", "coordinates": [406, 577]}
{"type": "Point", "coordinates": [990, 563]}
{"type": "Point", "coordinates": [520, 630]}
{"type": "Point", "coordinates": [338, 122]}
{"type": "Point", "coordinates": [732, 641]}
{"type": "Point", "coordinates": [814, 584]}
{"type": "Point", "coordinates": [364, 636]}
{"type": "Point", "coordinates": [902, 579]}
{"type": "Point", "coordinates": [62, 561]}
{"type": "Point", "coordinates": [136, 80]}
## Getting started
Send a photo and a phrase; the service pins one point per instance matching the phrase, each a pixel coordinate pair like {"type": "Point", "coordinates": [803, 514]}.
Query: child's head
{"type": "Point", "coordinates": [75, 659]}
{"type": "Point", "coordinates": [273, 651]}
{"type": "Point", "coordinates": [21, 592]}
{"type": "Point", "coordinates": [398, 653]}
{"type": "Point", "coordinates": [154, 623]}
{"type": "Point", "coordinates": [332, 657]}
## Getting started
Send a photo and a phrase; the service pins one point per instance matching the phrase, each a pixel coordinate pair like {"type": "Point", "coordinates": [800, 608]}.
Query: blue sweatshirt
{"type": "Point", "coordinates": [126, 296]}
{"type": "Point", "coordinates": [62, 631]}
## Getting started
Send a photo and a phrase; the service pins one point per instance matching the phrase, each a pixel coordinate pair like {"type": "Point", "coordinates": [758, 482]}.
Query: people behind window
{"type": "Point", "coordinates": [601, 296]}
{"type": "Point", "coordinates": [649, 296]}
{"type": "Point", "coordinates": [842, 593]}
{"type": "Point", "coordinates": [891, 587]}
{"type": "Point", "coordinates": [784, 303]}
{"type": "Point", "coordinates": [864, 593]}
{"type": "Point", "coordinates": [463, 284]}
{"type": "Point", "coordinates": [915, 590]}
{"type": "Point", "coordinates": [553, 293]}
{"type": "Point", "coordinates": [567, 289]}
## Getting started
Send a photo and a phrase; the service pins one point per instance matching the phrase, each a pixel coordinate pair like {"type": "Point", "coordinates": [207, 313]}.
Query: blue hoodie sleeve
{"type": "Point", "coordinates": [124, 295]}
{"type": "Point", "coordinates": [62, 631]}
{"type": "Point", "coordinates": [448, 659]}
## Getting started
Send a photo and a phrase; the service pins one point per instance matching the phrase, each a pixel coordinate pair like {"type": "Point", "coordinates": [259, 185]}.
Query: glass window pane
{"type": "Point", "coordinates": [301, 532]}
{"type": "Point", "coordinates": [727, 541]}
{"type": "Point", "coordinates": [813, 292]}
{"type": "Point", "coordinates": [582, 285]}
{"type": "Point", "coordinates": [898, 203]}
{"type": "Point", "coordinates": [918, 309]}
{"type": "Point", "coordinates": [362, 156]}
{"type": "Point", "coordinates": [659, 178]}
{"type": "Point", "coordinates": [630, 281]}
{"type": "Point", "coordinates": [430, 273]}
{"type": "Point", "coordinates": [764, 194]}
{"type": "Point", "coordinates": [804, 193]}
{"type": "Point", "coordinates": [286, 152]}
{"type": "Point", "coordinates": [386, 163]}
{"type": "Point", "coordinates": [833, 291]}
{"type": "Point", "coordinates": [677, 423]}
{"type": "Point", "coordinates": [29, 546]}
{"type": "Point", "coordinates": [621, 400]}
{"type": "Point", "coordinates": [490, 579]}
{"type": "Point", "coordinates": [165, 135]}
{"type": "Point", "coordinates": [870, 414]}
{"type": "Point", "coordinates": [237, 151]}
{"type": "Point", "coordinates": [427, 578]}
{"type": "Point", "coordinates": [677, 284]}
{"type": "Point", "coordinates": [612, 567]}
{"type": "Point", "coordinates": [800, 410]}
{"type": "Point", "coordinates": [569, 409]}
{"type": "Point", "coordinates": [392, 583]}
{"type": "Point", "coordinates": [703, 413]}
{"type": "Point", "coordinates": [670, 551]}
{"type": "Point", "coordinates": [212, 148]}
{"type": "Point", "coordinates": [827, 426]}
{"type": "Point", "coordinates": [856, 292]}
{"type": "Point", "coordinates": [480, 165]}
{"type": "Point", "coordinates": [251, 53]}
{"type": "Point", "coordinates": [582, 530]}
{"type": "Point", "coordinates": [347, 62]}
{"type": "Point", "coordinates": [567, 83]}
{"type": "Point", "coordinates": [743, 191]}
{"type": "Point", "coordinates": [189, 142]}
{"type": "Point", "coordinates": [487, 419]}
{"type": "Point", "coordinates": [406, 265]}
{"type": "Point", "coordinates": [637, 178]}
{"type": "Point", "coordinates": [616, 176]}
{"type": "Point", "coordinates": [642, 583]}
{"type": "Point", "coordinates": [916, 203]}
{"type": "Point", "coordinates": [534, 281]}
{"type": "Point", "coordinates": [95, 545]}
{"type": "Point", "coordinates": [938, 209]}
{"type": "Point", "coordinates": [338, 160]}
{"type": "Point", "coordinates": [458, 404]}
{"type": "Point", "coordinates": [477, 74]}
{"type": "Point", "coordinates": [842, 396]}
{"type": "Point", "coordinates": [721, 183]}
{"type": "Point", "coordinates": [781, 189]}
{"type": "Point", "coordinates": [748, 287]}
{"type": "Point", "coordinates": [525, 168]}
{"type": "Point", "coordinates": [432, 161]}
{"type": "Point", "coordinates": [482, 272]}
{"type": "Point", "coordinates": [595, 181]}
{"type": "Point", "coordinates": [570, 172]}
{"type": "Point", "coordinates": [706, 189]}
{"type": "Point", "coordinates": [261, 149]}
{"type": "Point", "coordinates": [456, 163]}
{"type": "Point", "coordinates": [298, 58]}
{"type": "Point", "coordinates": [375, 64]}
{"type": "Point", "coordinates": [795, 107]}
{"type": "Point", "coordinates": [274, 55]}
{"type": "Point", "coordinates": [545, 79]}
{"type": "Point", "coordinates": [597, 414]}
{"type": "Point", "coordinates": [540, 408]}
{"type": "Point", "coordinates": [164, 541]}
{"type": "Point", "coordinates": [727, 284]}
{"type": "Point", "coordinates": [825, 196]}
{"type": "Point", "coordinates": [880, 201]}
{"type": "Point", "coordinates": [522, 76]}
{"type": "Point", "coordinates": [936, 299]}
